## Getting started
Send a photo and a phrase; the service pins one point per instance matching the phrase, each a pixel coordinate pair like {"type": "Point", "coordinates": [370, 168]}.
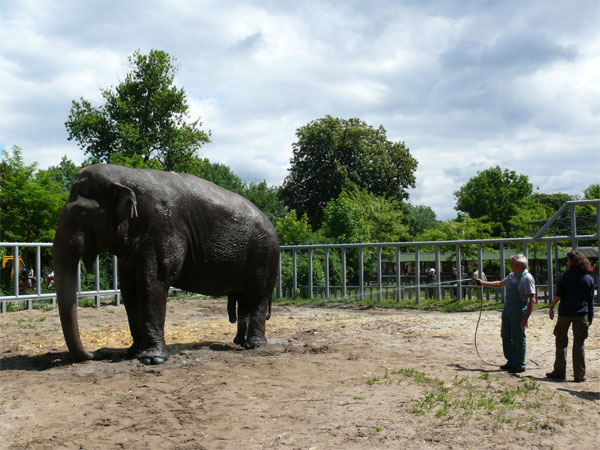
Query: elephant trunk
{"type": "Point", "coordinates": [65, 269]}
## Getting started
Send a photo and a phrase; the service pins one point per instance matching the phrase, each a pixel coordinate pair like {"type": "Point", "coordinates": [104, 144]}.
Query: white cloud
{"type": "Point", "coordinates": [466, 85]}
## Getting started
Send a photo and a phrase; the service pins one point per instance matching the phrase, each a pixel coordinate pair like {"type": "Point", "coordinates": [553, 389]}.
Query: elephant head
{"type": "Point", "coordinates": [97, 217]}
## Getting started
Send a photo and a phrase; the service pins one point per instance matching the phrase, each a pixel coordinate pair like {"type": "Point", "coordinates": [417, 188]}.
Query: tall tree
{"type": "Point", "coordinates": [551, 202]}
{"type": "Point", "coordinates": [332, 154]}
{"type": "Point", "coordinates": [494, 195]}
{"type": "Point", "coordinates": [64, 173]}
{"type": "Point", "coordinates": [30, 202]}
{"type": "Point", "coordinates": [266, 198]}
{"type": "Point", "coordinates": [420, 218]}
{"type": "Point", "coordinates": [145, 115]}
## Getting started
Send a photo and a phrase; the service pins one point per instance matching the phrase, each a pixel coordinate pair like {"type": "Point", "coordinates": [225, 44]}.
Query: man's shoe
{"type": "Point", "coordinates": [504, 367]}
{"type": "Point", "coordinates": [555, 376]}
{"type": "Point", "coordinates": [579, 380]}
{"type": "Point", "coordinates": [515, 370]}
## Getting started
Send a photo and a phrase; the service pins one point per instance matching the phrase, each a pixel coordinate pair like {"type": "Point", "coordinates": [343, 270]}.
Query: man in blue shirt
{"type": "Point", "coordinates": [520, 298]}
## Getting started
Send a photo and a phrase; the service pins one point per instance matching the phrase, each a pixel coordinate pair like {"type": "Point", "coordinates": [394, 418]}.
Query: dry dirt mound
{"type": "Point", "coordinates": [329, 378]}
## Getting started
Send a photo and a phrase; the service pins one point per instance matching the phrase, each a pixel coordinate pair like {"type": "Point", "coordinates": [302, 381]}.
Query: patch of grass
{"type": "Point", "coordinates": [483, 398]}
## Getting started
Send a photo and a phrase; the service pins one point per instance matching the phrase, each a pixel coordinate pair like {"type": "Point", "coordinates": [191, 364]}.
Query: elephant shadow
{"type": "Point", "coordinates": [51, 360]}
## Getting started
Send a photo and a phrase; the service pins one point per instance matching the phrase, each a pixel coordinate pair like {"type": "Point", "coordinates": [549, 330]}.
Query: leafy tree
{"type": "Point", "coordinates": [386, 218]}
{"type": "Point", "coordinates": [294, 231]}
{"type": "Point", "coordinates": [218, 173]}
{"type": "Point", "coordinates": [145, 115]}
{"type": "Point", "coordinates": [494, 196]}
{"type": "Point", "coordinates": [461, 229]}
{"type": "Point", "coordinates": [529, 211]}
{"type": "Point", "coordinates": [64, 174]}
{"type": "Point", "coordinates": [551, 202]}
{"type": "Point", "coordinates": [267, 199]}
{"type": "Point", "coordinates": [331, 154]}
{"type": "Point", "coordinates": [591, 192]}
{"type": "Point", "coordinates": [345, 221]}
{"type": "Point", "coordinates": [30, 202]}
{"type": "Point", "coordinates": [420, 218]}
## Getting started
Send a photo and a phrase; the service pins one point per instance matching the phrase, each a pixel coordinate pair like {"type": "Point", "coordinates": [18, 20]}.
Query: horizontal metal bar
{"type": "Point", "coordinates": [440, 243]}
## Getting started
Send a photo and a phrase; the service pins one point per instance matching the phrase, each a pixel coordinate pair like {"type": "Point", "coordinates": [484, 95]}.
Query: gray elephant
{"type": "Point", "coordinates": [167, 229]}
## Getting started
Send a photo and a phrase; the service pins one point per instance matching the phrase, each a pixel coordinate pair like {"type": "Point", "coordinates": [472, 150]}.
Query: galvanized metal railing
{"type": "Point", "coordinates": [416, 255]}
{"type": "Point", "coordinates": [401, 284]}
{"type": "Point", "coordinates": [30, 294]}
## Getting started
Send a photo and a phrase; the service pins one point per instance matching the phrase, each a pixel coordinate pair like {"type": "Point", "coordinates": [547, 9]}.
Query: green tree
{"type": "Point", "coordinates": [420, 218]}
{"type": "Point", "coordinates": [294, 231]}
{"type": "Point", "coordinates": [64, 174]}
{"type": "Point", "coordinates": [592, 192]}
{"type": "Point", "coordinates": [30, 202]}
{"type": "Point", "coordinates": [494, 196]}
{"type": "Point", "coordinates": [217, 173]}
{"type": "Point", "coordinates": [145, 115]}
{"type": "Point", "coordinates": [332, 154]}
{"type": "Point", "coordinates": [345, 221]}
{"type": "Point", "coordinates": [461, 229]}
{"type": "Point", "coordinates": [266, 198]}
{"type": "Point", "coordinates": [551, 202]}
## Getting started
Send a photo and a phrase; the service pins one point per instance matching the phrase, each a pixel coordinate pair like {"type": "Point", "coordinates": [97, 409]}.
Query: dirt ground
{"type": "Point", "coordinates": [330, 378]}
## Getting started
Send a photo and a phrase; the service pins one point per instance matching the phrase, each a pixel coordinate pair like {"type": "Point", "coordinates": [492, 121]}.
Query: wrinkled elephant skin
{"type": "Point", "coordinates": [167, 229]}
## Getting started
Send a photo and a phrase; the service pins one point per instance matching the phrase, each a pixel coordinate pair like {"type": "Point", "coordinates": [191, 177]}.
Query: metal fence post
{"type": "Point", "coordinates": [502, 269]}
{"type": "Point", "coordinates": [310, 273]}
{"type": "Point", "coordinates": [438, 273]}
{"type": "Point", "coordinates": [459, 290]}
{"type": "Point", "coordinates": [549, 270]}
{"type": "Point", "coordinates": [279, 280]}
{"type": "Point", "coordinates": [294, 272]}
{"type": "Point", "coordinates": [417, 275]}
{"type": "Point", "coordinates": [379, 276]}
{"type": "Point", "coordinates": [327, 288]}
{"type": "Point", "coordinates": [398, 275]}
{"type": "Point", "coordinates": [361, 273]}
{"type": "Point", "coordinates": [573, 227]}
{"type": "Point", "coordinates": [97, 280]}
{"type": "Point", "coordinates": [343, 272]}
{"type": "Point", "coordinates": [16, 271]}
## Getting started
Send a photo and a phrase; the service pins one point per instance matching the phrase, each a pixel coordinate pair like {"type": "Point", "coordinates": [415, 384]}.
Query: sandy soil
{"type": "Point", "coordinates": [330, 378]}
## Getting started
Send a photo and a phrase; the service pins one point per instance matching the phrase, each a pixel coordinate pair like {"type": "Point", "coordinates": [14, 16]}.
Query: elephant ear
{"type": "Point", "coordinates": [83, 210]}
{"type": "Point", "coordinates": [125, 205]}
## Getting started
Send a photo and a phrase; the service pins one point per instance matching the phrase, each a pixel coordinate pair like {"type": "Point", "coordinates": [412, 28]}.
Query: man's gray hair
{"type": "Point", "coordinates": [521, 259]}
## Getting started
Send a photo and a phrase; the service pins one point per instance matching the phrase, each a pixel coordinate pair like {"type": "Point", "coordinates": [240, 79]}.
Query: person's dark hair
{"type": "Point", "coordinates": [579, 261]}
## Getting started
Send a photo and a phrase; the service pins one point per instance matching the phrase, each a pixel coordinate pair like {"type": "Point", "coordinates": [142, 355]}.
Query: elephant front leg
{"type": "Point", "coordinates": [153, 325]}
{"type": "Point", "coordinates": [134, 315]}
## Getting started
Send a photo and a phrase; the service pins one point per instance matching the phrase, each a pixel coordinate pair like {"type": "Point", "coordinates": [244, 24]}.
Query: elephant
{"type": "Point", "coordinates": [167, 229]}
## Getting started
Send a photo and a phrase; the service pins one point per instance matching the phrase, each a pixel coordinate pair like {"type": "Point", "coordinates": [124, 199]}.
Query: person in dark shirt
{"type": "Point", "coordinates": [575, 292]}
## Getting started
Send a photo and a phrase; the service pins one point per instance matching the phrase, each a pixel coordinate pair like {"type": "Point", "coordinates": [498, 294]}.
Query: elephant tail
{"type": "Point", "coordinates": [270, 305]}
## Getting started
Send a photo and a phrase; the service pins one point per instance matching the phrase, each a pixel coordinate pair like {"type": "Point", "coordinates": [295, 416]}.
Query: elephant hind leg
{"type": "Point", "coordinates": [253, 329]}
{"type": "Point", "coordinates": [242, 322]}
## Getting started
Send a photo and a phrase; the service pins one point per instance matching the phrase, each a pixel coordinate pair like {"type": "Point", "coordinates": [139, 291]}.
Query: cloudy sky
{"type": "Point", "coordinates": [467, 85]}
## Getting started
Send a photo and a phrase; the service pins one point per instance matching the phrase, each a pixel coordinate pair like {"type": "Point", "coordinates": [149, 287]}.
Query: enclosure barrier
{"type": "Point", "coordinates": [386, 280]}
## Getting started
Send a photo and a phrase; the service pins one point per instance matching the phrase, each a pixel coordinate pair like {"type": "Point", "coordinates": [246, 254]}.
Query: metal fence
{"type": "Point", "coordinates": [342, 270]}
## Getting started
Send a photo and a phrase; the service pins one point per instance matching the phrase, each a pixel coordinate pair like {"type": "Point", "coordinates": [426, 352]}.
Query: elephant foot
{"type": "Point", "coordinates": [254, 342]}
{"type": "Point", "coordinates": [133, 351]}
{"type": "Point", "coordinates": [239, 340]}
{"type": "Point", "coordinates": [153, 356]}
